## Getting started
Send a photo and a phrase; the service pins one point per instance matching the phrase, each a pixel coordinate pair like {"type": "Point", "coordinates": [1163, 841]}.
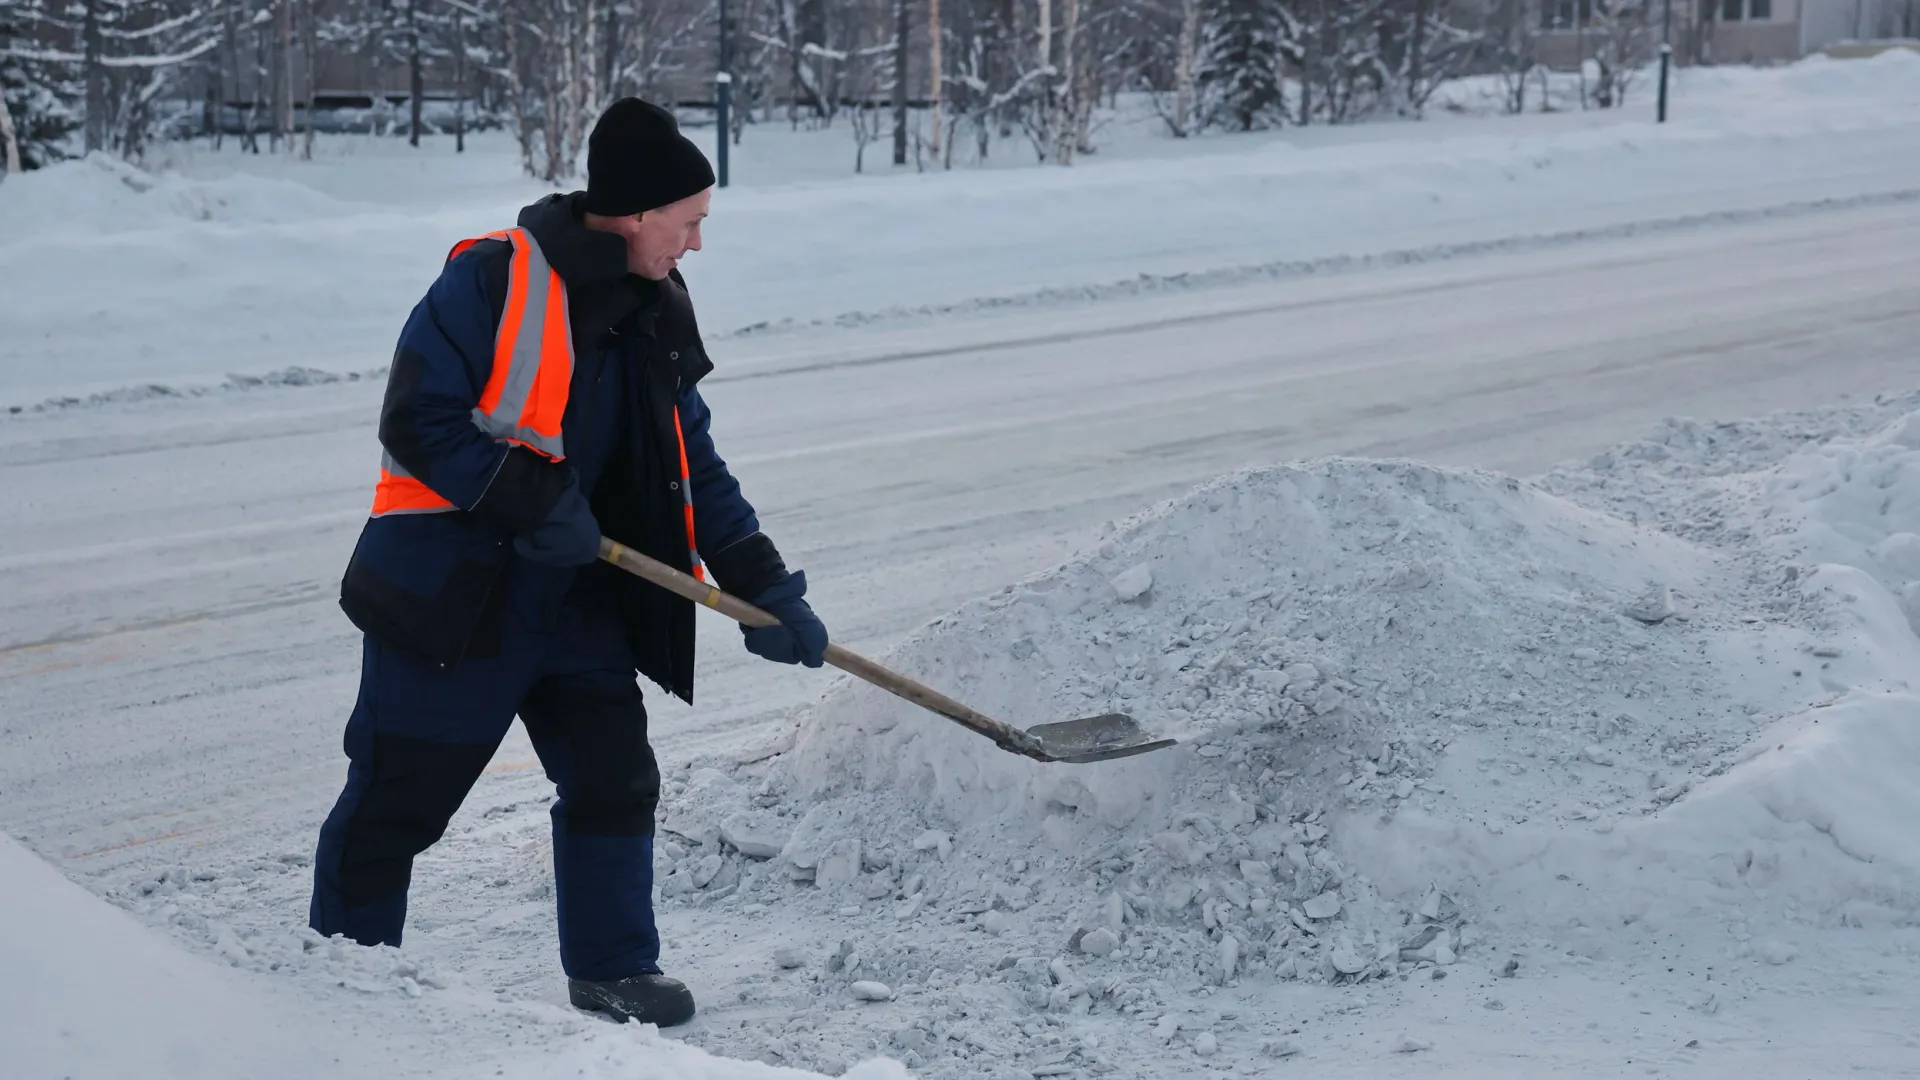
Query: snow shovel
{"type": "Point", "coordinates": [1095, 738]}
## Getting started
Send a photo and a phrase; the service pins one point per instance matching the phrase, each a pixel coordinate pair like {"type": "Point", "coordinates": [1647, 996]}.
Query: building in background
{"type": "Point", "coordinates": [1723, 31]}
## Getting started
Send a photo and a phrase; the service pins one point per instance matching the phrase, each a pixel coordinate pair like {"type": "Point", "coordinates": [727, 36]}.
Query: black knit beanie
{"type": "Point", "coordinates": [637, 160]}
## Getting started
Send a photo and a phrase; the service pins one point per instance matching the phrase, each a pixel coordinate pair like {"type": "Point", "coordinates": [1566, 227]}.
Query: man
{"type": "Point", "coordinates": [542, 394]}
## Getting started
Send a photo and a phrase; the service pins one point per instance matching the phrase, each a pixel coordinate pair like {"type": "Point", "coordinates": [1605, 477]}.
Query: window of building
{"type": "Point", "coordinates": [1746, 10]}
{"type": "Point", "coordinates": [1565, 14]}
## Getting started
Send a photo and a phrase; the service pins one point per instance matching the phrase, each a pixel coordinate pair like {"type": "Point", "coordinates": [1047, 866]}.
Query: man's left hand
{"type": "Point", "coordinates": [801, 638]}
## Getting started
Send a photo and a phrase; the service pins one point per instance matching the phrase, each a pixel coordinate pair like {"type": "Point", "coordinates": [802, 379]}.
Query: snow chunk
{"type": "Point", "coordinates": [1324, 906]}
{"type": "Point", "coordinates": [840, 865]}
{"type": "Point", "coordinates": [1099, 942]}
{"type": "Point", "coordinates": [1653, 606]}
{"type": "Point", "coordinates": [751, 839]}
{"type": "Point", "coordinates": [1133, 583]}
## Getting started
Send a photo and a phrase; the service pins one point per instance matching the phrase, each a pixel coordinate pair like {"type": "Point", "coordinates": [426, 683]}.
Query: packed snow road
{"type": "Point", "coordinates": [176, 671]}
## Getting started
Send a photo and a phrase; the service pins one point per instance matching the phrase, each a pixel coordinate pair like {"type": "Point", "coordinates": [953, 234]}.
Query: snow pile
{"type": "Point", "coordinates": [1427, 716]}
{"type": "Point", "coordinates": [1806, 822]}
{"type": "Point", "coordinates": [99, 195]}
{"type": "Point", "coordinates": [1324, 639]}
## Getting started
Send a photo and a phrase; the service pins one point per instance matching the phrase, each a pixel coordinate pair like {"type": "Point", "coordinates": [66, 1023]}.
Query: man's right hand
{"type": "Point", "coordinates": [568, 537]}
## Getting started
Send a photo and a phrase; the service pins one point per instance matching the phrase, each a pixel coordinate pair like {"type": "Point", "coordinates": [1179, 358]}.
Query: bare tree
{"type": "Point", "coordinates": [934, 70]}
{"type": "Point", "coordinates": [1624, 42]}
{"type": "Point", "coordinates": [903, 26]}
{"type": "Point", "coordinates": [1183, 118]}
{"type": "Point", "coordinates": [416, 78]}
{"type": "Point", "coordinates": [310, 45]}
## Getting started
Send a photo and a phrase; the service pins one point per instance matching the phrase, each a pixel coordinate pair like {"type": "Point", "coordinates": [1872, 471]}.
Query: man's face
{"type": "Point", "coordinates": [658, 238]}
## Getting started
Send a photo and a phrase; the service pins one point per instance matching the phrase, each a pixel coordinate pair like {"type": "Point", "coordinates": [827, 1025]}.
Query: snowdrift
{"type": "Point", "coordinates": [87, 993]}
{"type": "Point", "coordinates": [1424, 713]}
{"type": "Point", "coordinates": [101, 195]}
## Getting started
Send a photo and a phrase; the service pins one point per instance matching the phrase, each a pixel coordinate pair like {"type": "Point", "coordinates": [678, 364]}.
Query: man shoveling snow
{"type": "Point", "coordinates": [542, 394]}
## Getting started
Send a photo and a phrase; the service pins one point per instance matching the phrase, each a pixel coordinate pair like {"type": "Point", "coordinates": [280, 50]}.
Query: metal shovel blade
{"type": "Point", "coordinates": [1096, 738]}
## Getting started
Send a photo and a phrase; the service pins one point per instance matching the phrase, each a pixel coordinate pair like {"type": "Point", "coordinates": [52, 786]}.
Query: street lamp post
{"type": "Point", "coordinates": [1666, 55]}
{"type": "Point", "coordinates": [723, 97]}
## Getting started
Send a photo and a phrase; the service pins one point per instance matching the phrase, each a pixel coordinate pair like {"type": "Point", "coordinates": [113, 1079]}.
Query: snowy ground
{"type": "Point", "coordinates": [175, 672]}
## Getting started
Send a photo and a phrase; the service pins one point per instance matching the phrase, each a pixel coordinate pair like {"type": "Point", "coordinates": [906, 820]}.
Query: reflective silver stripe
{"type": "Point", "coordinates": [523, 365]}
{"type": "Point", "coordinates": [686, 495]}
{"type": "Point", "coordinates": [394, 469]}
{"type": "Point", "coordinates": [524, 358]}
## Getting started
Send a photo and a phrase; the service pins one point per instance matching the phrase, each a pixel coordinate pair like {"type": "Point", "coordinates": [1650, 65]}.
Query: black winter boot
{"type": "Point", "coordinates": [650, 999]}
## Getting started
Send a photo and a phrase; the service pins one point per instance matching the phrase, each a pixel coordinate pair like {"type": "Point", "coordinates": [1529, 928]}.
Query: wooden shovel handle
{"type": "Point", "coordinates": [1006, 736]}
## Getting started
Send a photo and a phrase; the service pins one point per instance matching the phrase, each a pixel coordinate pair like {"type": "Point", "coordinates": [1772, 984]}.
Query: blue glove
{"type": "Point", "coordinates": [568, 537]}
{"type": "Point", "coordinates": [801, 638]}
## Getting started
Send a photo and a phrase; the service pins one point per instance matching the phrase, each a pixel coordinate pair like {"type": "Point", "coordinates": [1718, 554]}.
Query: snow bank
{"type": "Point", "coordinates": [100, 195]}
{"type": "Point", "coordinates": [86, 993]}
{"type": "Point", "coordinates": [1426, 715]}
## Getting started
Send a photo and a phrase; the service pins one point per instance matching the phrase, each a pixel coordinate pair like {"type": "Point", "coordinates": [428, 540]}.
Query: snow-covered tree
{"type": "Point", "coordinates": [1238, 72]}
{"type": "Point", "coordinates": [39, 97]}
{"type": "Point", "coordinates": [115, 64]}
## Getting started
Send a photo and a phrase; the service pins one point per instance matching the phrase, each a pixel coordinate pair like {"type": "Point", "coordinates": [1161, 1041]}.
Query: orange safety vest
{"type": "Point", "coordinates": [526, 393]}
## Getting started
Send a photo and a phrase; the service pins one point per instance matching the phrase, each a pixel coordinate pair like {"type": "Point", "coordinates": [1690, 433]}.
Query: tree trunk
{"type": "Point", "coordinates": [1046, 33]}
{"type": "Point", "coordinates": [1066, 134]}
{"type": "Point", "coordinates": [1416, 63]}
{"type": "Point", "coordinates": [310, 45]}
{"type": "Point", "coordinates": [933, 62]}
{"type": "Point", "coordinates": [9, 144]}
{"type": "Point", "coordinates": [416, 84]}
{"type": "Point", "coordinates": [459, 82]}
{"type": "Point", "coordinates": [610, 60]}
{"type": "Point", "coordinates": [522, 123]}
{"type": "Point", "coordinates": [1580, 48]}
{"type": "Point", "coordinates": [809, 72]}
{"type": "Point", "coordinates": [283, 89]}
{"type": "Point", "coordinates": [583, 52]}
{"type": "Point", "coordinates": [903, 26]}
{"type": "Point", "coordinates": [232, 65]}
{"type": "Point", "coordinates": [272, 62]}
{"type": "Point", "coordinates": [1184, 88]}
{"type": "Point", "coordinates": [210, 108]}
{"type": "Point", "coordinates": [96, 75]}
{"type": "Point", "coordinates": [250, 139]}
{"type": "Point", "coordinates": [1310, 62]}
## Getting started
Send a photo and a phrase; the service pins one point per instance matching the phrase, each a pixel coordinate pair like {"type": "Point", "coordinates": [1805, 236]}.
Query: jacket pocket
{"type": "Point", "coordinates": [425, 584]}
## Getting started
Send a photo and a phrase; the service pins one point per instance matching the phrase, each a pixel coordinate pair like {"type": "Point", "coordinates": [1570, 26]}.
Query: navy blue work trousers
{"type": "Point", "coordinates": [419, 738]}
